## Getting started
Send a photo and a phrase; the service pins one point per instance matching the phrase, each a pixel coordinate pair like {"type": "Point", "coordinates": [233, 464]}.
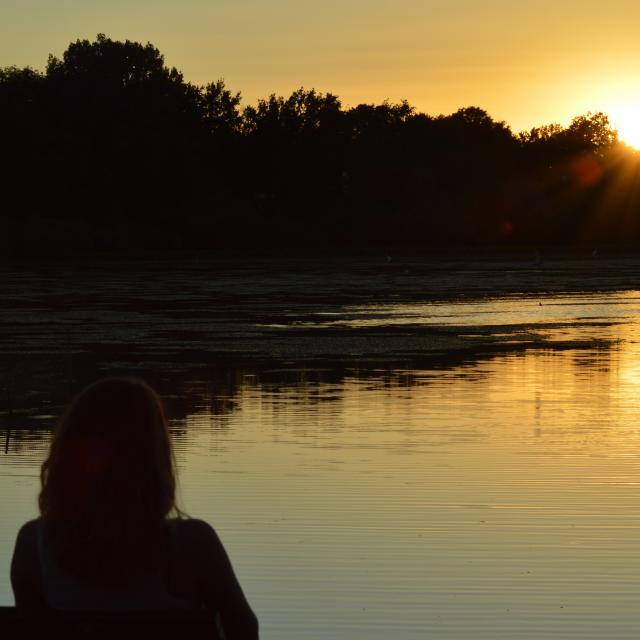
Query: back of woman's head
{"type": "Point", "coordinates": [108, 483]}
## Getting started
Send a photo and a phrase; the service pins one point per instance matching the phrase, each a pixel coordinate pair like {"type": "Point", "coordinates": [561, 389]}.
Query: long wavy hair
{"type": "Point", "coordinates": [108, 483]}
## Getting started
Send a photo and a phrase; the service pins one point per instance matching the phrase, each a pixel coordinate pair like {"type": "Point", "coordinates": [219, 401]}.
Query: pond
{"type": "Point", "coordinates": [385, 462]}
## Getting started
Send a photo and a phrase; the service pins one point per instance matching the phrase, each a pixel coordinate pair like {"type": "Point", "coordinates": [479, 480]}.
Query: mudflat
{"type": "Point", "coordinates": [66, 322]}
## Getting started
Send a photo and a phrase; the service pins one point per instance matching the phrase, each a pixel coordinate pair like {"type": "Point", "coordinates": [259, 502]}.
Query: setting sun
{"type": "Point", "coordinates": [625, 117]}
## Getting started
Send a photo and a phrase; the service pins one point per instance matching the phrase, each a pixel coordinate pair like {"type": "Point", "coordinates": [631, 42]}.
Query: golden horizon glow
{"type": "Point", "coordinates": [440, 56]}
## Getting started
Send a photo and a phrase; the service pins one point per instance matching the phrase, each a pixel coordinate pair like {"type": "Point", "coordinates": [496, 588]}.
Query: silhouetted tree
{"type": "Point", "coordinates": [123, 122]}
{"type": "Point", "coordinates": [295, 160]}
{"type": "Point", "coordinates": [592, 132]}
{"type": "Point", "coordinates": [110, 147]}
{"type": "Point", "coordinates": [221, 108]}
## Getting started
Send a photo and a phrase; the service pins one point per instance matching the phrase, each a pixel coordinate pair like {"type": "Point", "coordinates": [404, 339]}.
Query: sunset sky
{"type": "Point", "coordinates": [528, 63]}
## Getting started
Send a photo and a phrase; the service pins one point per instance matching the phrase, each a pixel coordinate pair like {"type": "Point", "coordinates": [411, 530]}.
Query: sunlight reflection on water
{"type": "Point", "coordinates": [496, 499]}
{"type": "Point", "coordinates": [506, 310]}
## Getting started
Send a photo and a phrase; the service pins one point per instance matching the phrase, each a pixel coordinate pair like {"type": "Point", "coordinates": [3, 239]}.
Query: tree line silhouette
{"type": "Point", "coordinates": [109, 148]}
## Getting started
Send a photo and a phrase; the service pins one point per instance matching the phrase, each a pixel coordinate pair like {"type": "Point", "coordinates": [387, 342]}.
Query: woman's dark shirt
{"type": "Point", "coordinates": [197, 573]}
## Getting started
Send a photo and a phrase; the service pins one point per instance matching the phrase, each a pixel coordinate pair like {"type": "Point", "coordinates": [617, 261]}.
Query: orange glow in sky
{"type": "Point", "coordinates": [527, 63]}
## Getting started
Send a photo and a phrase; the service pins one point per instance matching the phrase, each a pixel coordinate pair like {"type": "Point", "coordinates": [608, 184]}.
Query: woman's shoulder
{"type": "Point", "coordinates": [31, 525]}
{"type": "Point", "coordinates": [29, 531]}
{"type": "Point", "coordinates": [196, 556]}
{"type": "Point", "coordinates": [26, 579]}
{"type": "Point", "coordinates": [192, 531]}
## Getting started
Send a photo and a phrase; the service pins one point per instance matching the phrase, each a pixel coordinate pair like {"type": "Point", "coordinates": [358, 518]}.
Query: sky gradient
{"type": "Point", "coordinates": [528, 63]}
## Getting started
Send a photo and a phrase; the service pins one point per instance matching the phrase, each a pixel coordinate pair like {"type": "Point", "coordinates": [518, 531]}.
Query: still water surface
{"type": "Point", "coordinates": [498, 498]}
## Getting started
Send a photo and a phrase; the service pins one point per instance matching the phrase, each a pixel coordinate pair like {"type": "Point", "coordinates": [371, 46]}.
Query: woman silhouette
{"type": "Point", "coordinates": [105, 539]}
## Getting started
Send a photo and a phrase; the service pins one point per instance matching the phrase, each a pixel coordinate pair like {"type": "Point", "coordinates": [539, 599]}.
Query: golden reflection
{"type": "Point", "coordinates": [510, 479]}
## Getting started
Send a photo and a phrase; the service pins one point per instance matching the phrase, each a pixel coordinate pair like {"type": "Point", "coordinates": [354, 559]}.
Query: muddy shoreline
{"type": "Point", "coordinates": [177, 321]}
